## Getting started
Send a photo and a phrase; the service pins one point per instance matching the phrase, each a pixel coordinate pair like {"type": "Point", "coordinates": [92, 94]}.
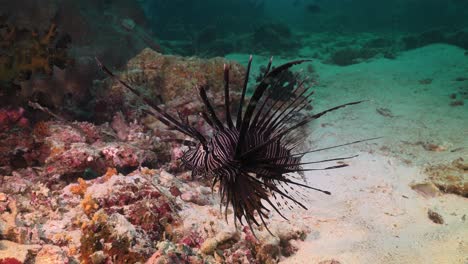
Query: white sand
{"type": "Point", "coordinates": [373, 215]}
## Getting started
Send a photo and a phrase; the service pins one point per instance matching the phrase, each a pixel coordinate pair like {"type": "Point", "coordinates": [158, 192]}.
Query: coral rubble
{"type": "Point", "coordinates": [450, 178]}
{"type": "Point", "coordinates": [128, 219]}
{"type": "Point", "coordinates": [172, 80]}
{"type": "Point", "coordinates": [81, 192]}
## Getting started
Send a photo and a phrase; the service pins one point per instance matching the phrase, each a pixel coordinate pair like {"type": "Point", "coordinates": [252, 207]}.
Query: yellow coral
{"type": "Point", "coordinates": [147, 171]}
{"type": "Point", "coordinates": [89, 205]}
{"type": "Point", "coordinates": [72, 250]}
{"type": "Point", "coordinates": [25, 54]}
{"type": "Point", "coordinates": [109, 173]}
{"type": "Point", "coordinates": [62, 238]}
{"type": "Point", "coordinates": [80, 188]}
{"type": "Point", "coordinates": [55, 151]}
{"type": "Point", "coordinates": [99, 218]}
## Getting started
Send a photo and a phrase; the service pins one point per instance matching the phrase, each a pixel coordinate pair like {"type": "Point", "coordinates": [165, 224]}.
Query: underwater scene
{"type": "Point", "coordinates": [233, 131]}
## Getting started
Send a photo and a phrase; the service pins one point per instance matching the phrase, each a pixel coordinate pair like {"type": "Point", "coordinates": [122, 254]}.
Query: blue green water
{"type": "Point", "coordinates": [62, 119]}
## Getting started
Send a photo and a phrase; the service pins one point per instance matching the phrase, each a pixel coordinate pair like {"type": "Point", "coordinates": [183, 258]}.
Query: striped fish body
{"type": "Point", "coordinates": [252, 157]}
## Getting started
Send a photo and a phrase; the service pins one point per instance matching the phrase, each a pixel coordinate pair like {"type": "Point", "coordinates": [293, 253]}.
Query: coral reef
{"type": "Point", "coordinates": [92, 25]}
{"type": "Point", "coordinates": [126, 219]}
{"type": "Point", "coordinates": [274, 38]}
{"type": "Point", "coordinates": [458, 38]}
{"type": "Point", "coordinates": [79, 192]}
{"type": "Point", "coordinates": [51, 254]}
{"type": "Point", "coordinates": [176, 253]}
{"type": "Point", "coordinates": [27, 52]}
{"type": "Point", "coordinates": [110, 238]}
{"type": "Point", "coordinates": [14, 253]}
{"type": "Point", "coordinates": [77, 147]}
{"type": "Point", "coordinates": [16, 148]}
{"type": "Point", "coordinates": [348, 56]}
{"type": "Point", "coordinates": [176, 78]}
{"type": "Point", "coordinates": [28, 55]}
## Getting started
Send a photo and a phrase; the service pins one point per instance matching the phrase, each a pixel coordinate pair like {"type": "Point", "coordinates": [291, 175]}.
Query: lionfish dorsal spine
{"type": "Point", "coordinates": [251, 159]}
{"type": "Point", "coordinates": [244, 90]}
{"type": "Point", "coordinates": [226, 97]}
{"type": "Point", "coordinates": [270, 123]}
{"type": "Point", "coordinates": [211, 112]}
{"type": "Point", "coordinates": [258, 93]}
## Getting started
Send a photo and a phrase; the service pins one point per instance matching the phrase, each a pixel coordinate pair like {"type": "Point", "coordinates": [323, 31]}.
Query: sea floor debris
{"type": "Point", "coordinates": [126, 219]}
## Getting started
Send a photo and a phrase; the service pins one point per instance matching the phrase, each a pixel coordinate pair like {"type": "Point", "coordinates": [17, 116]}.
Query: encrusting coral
{"type": "Point", "coordinates": [28, 52]}
{"type": "Point", "coordinates": [80, 188]}
{"type": "Point", "coordinates": [103, 194]}
{"type": "Point", "coordinates": [175, 77]}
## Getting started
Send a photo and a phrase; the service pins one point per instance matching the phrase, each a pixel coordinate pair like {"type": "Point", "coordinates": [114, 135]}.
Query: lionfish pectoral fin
{"type": "Point", "coordinates": [331, 147]}
{"type": "Point", "coordinates": [308, 187]}
{"type": "Point", "coordinates": [289, 129]}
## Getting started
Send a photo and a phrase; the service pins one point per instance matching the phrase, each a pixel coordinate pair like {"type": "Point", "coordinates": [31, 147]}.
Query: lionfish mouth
{"type": "Point", "coordinates": [253, 157]}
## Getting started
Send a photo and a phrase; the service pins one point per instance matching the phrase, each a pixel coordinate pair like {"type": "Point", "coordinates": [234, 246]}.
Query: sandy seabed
{"type": "Point", "coordinates": [373, 215]}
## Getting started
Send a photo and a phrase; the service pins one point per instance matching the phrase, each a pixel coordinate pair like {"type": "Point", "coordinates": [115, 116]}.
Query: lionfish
{"type": "Point", "coordinates": [252, 158]}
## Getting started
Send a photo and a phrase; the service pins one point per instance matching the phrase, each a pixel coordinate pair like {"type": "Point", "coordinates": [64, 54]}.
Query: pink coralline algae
{"type": "Point", "coordinates": [77, 146]}
{"type": "Point", "coordinates": [10, 261]}
{"type": "Point", "coordinates": [16, 143]}
{"type": "Point", "coordinates": [78, 192]}
{"type": "Point", "coordinates": [129, 219]}
{"type": "Point", "coordinates": [13, 117]}
{"type": "Point", "coordinates": [131, 209]}
{"type": "Point", "coordinates": [143, 204]}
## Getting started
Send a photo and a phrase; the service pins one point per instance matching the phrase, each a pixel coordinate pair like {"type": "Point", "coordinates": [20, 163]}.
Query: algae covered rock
{"type": "Point", "coordinates": [170, 80]}
{"type": "Point", "coordinates": [169, 252]}
{"type": "Point", "coordinates": [13, 251]}
{"type": "Point", "coordinates": [450, 178]}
